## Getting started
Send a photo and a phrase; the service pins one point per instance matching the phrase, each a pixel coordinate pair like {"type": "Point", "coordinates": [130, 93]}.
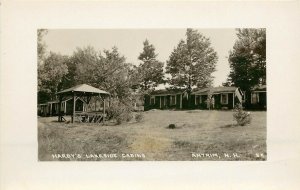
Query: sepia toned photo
{"type": "Point", "coordinates": [188, 94]}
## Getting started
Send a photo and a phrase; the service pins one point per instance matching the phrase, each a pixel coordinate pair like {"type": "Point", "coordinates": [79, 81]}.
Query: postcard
{"type": "Point", "coordinates": [149, 95]}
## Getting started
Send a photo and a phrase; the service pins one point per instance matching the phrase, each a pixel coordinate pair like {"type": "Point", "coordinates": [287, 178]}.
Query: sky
{"type": "Point", "coordinates": [130, 43]}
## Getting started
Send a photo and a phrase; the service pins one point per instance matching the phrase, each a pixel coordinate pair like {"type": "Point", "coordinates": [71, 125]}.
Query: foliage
{"type": "Point", "coordinates": [242, 118]}
{"type": "Point", "coordinates": [248, 59]}
{"type": "Point", "coordinates": [119, 111]}
{"type": "Point", "coordinates": [107, 71]}
{"type": "Point", "coordinates": [139, 117]}
{"type": "Point", "coordinates": [51, 73]}
{"type": "Point", "coordinates": [192, 62]}
{"type": "Point", "coordinates": [172, 126]}
{"type": "Point", "coordinates": [149, 73]}
{"type": "Point", "coordinates": [148, 51]}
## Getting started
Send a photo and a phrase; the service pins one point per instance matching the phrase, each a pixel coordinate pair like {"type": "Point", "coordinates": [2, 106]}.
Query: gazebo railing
{"type": "Point", "coordinates": [90, 117]}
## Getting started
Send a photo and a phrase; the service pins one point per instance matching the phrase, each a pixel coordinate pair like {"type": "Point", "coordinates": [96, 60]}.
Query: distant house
{"type": "Point", "coordinates": [51, 108]}
{"type": "Point", "coordinates": [220, 98]}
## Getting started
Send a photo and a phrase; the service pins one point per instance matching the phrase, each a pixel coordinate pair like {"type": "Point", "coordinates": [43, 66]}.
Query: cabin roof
{"type": "Point", "coordinates": [219, 89]}
{"type": "Point", "coordinates": [167, 92]}
{"type": "Point", "coordinates": [84, 88]}
{"type": "Point", "coordinates": [224, 89]}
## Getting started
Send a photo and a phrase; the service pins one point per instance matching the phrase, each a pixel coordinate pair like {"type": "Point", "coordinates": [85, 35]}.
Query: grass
{"type": "Point", "coordinates": [198, 133]}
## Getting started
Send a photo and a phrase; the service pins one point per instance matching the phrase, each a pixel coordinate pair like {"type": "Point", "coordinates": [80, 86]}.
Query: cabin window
{"type": "Point", "coordinates": [224, 98]}
{"type": "Point", "coordinates": [173, 100]}
{"type": "Point", "coordinates": [254, 98]}
{"type": "Point", "coordinates": [152, 100]}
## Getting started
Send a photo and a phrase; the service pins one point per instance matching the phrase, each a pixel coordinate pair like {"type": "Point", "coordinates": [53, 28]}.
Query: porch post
{"type": "Point", "coordinates": [180, 101]}
{"type": "Point", "coordinates": [233, 100]}
{"type": "Point", "coordinates": [65, 109]}
{"type": "Point", "coordinates": [109, 100]}
{"type": "Point", "coordinates": [103, 109]}
{"type": "Point", "coordinates": [104, 106]}
{"type": "Point", "coordinates": [160, 102]}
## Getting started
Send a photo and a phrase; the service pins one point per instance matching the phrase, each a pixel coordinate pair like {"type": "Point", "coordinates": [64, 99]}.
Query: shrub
{"type": "Point", "coordinates": [139, 117]}
{"type": "Point", "coordinates": [242, 118]}
{"type": "Point", "coordinates": [172, 126]}
{"type": "Point", "coordinates": [119, 111]}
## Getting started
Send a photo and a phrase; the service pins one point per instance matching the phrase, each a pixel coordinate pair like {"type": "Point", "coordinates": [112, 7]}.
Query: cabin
{"type": "Point", "coordinates": [51, 108]}
{"type": "Point", "coordinates": [221, 98]}
{"type": "Point", "coordinates": [164, 99]}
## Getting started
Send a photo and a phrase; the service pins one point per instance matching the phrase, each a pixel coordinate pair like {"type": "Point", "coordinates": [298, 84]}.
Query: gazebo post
{"type": "Point", "coordinates": [103, 109]}
{"type": "Point", "coordinates": [109, 101]}
{"type": "Point", "coordinates": [59, 108]}
{"type": "Point", "coordinates": [74, 107]}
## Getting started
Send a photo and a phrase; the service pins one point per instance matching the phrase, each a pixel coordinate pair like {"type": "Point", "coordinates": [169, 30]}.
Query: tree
{"type": "Point", "coordinates": [192, 62]}
{"type": "Point", "coordinates": [149, 74]}
{"type": "Point", "coordinates": [108, 71]}
{"type": "Point", "coordinates": [50, 76]}
{"type": "Point", "coordinates": [247, 60]}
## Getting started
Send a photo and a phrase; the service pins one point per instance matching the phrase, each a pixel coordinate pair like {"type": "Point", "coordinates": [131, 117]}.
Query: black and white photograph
{"type": "Point", "coordinates": [149, 95]}
{"type": "Point", "coordinates": [188, 94]}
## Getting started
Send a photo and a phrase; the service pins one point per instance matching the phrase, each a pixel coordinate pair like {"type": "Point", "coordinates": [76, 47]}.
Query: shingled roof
{"type": "Point", "coordinates": [84, 88]}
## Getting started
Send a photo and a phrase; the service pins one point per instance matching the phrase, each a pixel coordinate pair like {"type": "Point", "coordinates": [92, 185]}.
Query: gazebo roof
{"type": "Point", "coordinates": [83, 88]}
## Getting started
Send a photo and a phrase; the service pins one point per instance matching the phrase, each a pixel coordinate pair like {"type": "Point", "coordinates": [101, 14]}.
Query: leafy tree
{"type": "Point", "coordinates": [50, 76]}
{"type": "Point", "coordinates": [192, 62]}
{"type": "Point", "coordinates": [247, 60]}
{"type": "Point", "coordinates": [116, 74]}
{"type": "Point", "coordinates": [149, 74]}
{"type": "Point", "coordinates": [108, 71]}
{"type": "Point", "coordinates": [85, 66]}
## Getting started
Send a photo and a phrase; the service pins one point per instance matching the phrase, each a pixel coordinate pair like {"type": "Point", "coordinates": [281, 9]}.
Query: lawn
{"type": "Point", "coordinates": [199, 135]}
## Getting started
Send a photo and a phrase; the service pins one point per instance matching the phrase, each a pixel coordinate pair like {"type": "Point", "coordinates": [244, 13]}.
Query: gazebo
{"type": "Point", "coordinates": [85, 93]}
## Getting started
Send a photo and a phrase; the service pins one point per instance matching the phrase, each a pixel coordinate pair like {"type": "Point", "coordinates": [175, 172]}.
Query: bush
{"type": "Point", "coordinates": [172, 126]}
{"type": "Point", "coordinates": [119, 111]}
{"type": "Point", "coordinates": [242, 118]}
{"type": "Point", "coordinates": [139, 117]}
